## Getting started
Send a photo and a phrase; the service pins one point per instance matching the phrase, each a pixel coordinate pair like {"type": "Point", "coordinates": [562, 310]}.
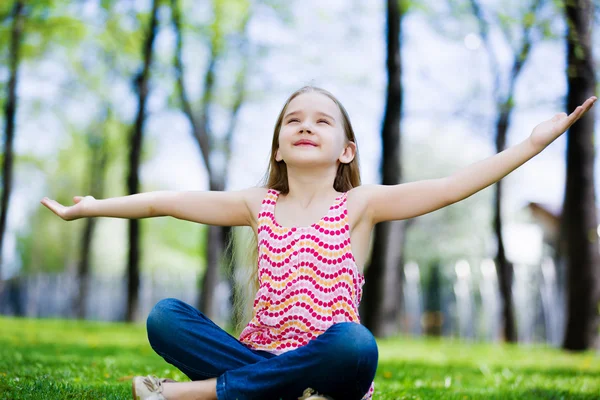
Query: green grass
{"type": "Point", "coordinates": [56, 359]}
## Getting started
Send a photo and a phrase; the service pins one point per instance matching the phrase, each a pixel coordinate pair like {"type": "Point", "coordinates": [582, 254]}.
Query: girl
{"type": "Point", "coordinates": [312, 222]}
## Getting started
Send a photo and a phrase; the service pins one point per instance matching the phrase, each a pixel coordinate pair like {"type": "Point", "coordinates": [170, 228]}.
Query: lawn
{"type": "Point", "coordinates": [57, 359]}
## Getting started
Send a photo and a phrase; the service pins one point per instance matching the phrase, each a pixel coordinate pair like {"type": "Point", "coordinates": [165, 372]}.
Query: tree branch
{"type": "Point", "coordinates": [239, 88]}
{"type": "Point", "coordinates": [199, 126]}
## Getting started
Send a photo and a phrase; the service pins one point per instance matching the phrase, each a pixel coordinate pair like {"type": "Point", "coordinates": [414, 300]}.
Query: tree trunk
{"type": "Point", "coordinates": [215, 250]}
{"type": "Point", "coordinates": [216, 261]}
{"type": "Point", "coordinates": [579, 218]}
{"type": "Point", "coordinates": [381, 303]}
{"type": "Point", "coordinates": [97, 170]}
{"type": "Point", "coordinates": [504, 268]}
{"type": "Point", "coordinates": [217, 236]}
{"type": "Point", "coordinates": [141, 85]}
{"type": "Point", "coordinates": [505, 106]}
{"type": "Point", "coordinates": [10, 113]}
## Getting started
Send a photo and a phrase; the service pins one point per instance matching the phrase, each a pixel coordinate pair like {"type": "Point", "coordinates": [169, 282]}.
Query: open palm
{"type": "Point", "coordinates": [547, 131]}
{"type": "Point", "coordinates": [68, 213]}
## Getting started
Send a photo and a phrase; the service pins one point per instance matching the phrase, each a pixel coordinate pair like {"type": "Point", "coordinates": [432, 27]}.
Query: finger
{"type": "Point", "coordinates": [585, 107]}
{"type": "Point", "coordinates": [47, 202]}
{"type": "Point", "coordinates": [55, 207]}
{"type": "Point", "coordinates": [576, 113]}
{"type": "Point", "coordinates": [582, 109]}
{"type": "Point", "coordinates": [588, 104]}
{"type": "Point", "coordinates": [51, 204]}
{"type": "Point", "coordinates": [77, 199]}
{"type": "Point", "coordinates": [574, 117]}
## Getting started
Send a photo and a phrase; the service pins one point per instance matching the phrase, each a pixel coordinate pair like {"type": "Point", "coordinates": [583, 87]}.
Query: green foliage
{"type": "Point", "coordinates": [47, 247]}
{"type": "Point", "coordinates": [27, 159]}
{"type": "Point", "coordinates": [506, 20]}
{"type": "Point", "coordinates": [406, 6]}
{"type": "Point", "coordinates": [51, 244]}
{"type": "Point", "coordinates": [117, 38]}
{"type": "Point", "coordinates": [43, 32]}
{"type": "Point", "coordinates": [88, 360]}
{"type": "Point", "coordinates": [109, 54]}
{"type": "Point", "coordinates": [228, 19]}
{"type": "Point", "coordinates": [172, 245]}
{"type": "Point", "coordinates": [48, 243]}
{"type": "Point", "coordinates": [224, 36]}
{"type": "Point", "coordinates": [5, 9]}
{"type": "Point", "coordinates": [48, 25]}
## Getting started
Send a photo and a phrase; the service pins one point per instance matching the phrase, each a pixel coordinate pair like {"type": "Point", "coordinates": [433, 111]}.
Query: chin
{"type": "Point", "coordinates": [306, 162]}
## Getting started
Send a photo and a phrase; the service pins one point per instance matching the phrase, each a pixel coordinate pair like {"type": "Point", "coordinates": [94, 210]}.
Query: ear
{"type": "Point", "coordinates": [348, 154]}
{"type": "Point", "coordinates": [278, 156]}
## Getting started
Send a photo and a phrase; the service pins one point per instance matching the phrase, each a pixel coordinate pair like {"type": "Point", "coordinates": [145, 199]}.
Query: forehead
{"type": "Point", "coordinates": [314, 102]}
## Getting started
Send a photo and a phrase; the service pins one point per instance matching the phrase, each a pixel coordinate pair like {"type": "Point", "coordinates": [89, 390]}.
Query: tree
{"type": "Point", "coordinates": [10, 111]}
{"type": "Point", "coordinates": [579, 220]}
{"type": "Point", "coordinates": [141, 85]}
{"type": "Point", "coordinates": [381, 303]}
{"type": "Point", "coordinates": [208, 143]}
{"type": "Point", "coordinates": [97, 143]}
{"type": "Point", "coordinates": [29, 31]}
{"type": "Point", "coordinates": [94, 69]}
{"type": "Point", "coordinates": [504, 102]}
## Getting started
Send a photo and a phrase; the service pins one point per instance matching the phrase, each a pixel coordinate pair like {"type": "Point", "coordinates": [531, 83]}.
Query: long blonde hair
{"type": "Point", "coordinates": [244, 241]}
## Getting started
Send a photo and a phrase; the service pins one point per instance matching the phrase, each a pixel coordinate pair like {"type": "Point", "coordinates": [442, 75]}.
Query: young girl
{"type": "Point", "coordinates": [312, 222]}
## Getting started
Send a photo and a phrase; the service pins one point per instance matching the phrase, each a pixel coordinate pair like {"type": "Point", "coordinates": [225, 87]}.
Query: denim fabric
{"type": "Point", "coordinates": [340, 363]}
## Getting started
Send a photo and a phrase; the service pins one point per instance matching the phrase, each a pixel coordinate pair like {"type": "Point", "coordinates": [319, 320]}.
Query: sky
{"type": "Point", "coordinates": [340, 46]}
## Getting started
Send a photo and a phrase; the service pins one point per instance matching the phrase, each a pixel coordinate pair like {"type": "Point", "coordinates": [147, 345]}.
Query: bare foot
{"type": "Point", "coordinates": [196, 390]}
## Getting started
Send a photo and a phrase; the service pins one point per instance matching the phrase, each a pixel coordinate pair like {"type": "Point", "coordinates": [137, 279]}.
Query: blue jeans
{"type": "Point", "coordinates": [340, 363]}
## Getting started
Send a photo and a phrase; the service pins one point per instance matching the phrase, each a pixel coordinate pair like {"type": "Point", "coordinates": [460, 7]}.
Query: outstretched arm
{"type": "Point", "coordinates": [233, 208]}
{"type": "Point", "coordinates": [386, 203]}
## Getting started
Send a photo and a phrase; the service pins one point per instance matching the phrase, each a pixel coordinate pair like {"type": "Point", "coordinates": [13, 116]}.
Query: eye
{"type": "Point", "coordinates": [323, 120]}
{"type": "Point", "coordinates": [293, 120]}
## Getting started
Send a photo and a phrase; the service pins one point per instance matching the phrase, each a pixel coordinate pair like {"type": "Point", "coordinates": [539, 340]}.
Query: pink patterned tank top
{"type": "Point", "coordinates": [308, 279]}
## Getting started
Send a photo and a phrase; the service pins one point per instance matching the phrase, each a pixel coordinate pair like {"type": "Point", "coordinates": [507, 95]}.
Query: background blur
{"type": "Point", "coordinates": [108, 98]}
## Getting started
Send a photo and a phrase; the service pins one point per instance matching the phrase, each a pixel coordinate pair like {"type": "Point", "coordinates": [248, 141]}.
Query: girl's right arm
{"type": "Point", "coordinates": [234, 208]}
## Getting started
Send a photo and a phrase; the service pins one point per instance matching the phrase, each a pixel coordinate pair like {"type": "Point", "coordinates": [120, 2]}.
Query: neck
{"type": "Point", "coordinates": [307, 185]}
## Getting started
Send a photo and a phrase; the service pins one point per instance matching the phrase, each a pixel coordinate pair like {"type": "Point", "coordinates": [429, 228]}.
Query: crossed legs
{"type": "Point", "coordinates": [340, 363]}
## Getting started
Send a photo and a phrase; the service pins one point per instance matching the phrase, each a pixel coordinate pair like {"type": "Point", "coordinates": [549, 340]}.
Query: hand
{"type": "Point", "coordinates": [546, 132]}
{"type": "Point", "coordinates": [69, 213]}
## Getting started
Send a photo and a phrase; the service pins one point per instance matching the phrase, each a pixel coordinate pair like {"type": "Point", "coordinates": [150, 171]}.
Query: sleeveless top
{"type": "Point", "coordinates": [308, 280]}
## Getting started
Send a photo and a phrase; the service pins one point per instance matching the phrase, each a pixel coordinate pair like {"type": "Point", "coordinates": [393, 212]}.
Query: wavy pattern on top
{"type": "Point", "coordinates": [308, 280]}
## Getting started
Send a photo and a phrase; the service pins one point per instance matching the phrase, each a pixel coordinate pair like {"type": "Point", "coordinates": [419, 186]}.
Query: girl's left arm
{"type": "Point", "coordinates": [408, 200]}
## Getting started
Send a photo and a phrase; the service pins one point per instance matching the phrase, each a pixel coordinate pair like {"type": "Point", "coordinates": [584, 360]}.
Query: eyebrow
{"type": "Point", "coordinates": [318, 113]}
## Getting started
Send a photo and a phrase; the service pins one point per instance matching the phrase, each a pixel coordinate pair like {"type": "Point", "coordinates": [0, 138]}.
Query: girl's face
{"type": "Point", "coordinates": [312, 133]}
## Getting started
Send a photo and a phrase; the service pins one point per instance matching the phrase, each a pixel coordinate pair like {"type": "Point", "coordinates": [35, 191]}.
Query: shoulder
{"type": "Point", "coordinates": [358, 202]}
{"type": "Point", "coordinates": [363, 193]}
{"type": "Point", "coordinates": [254, 197]}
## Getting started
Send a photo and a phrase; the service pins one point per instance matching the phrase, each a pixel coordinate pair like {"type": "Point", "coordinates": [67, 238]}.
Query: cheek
{"type": "Point", "coordinates": [341, 140]}
{"type": "Point", "coordinates": [284, 134]}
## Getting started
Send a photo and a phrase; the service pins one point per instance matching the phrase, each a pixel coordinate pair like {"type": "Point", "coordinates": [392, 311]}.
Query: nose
{"type": "Point", "coordinates": [305, 128]}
